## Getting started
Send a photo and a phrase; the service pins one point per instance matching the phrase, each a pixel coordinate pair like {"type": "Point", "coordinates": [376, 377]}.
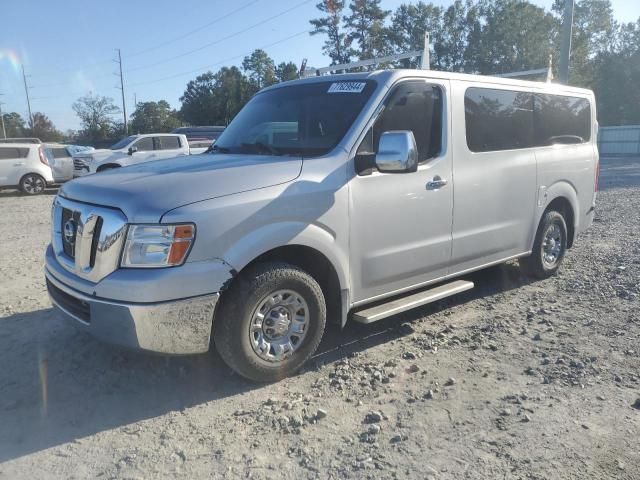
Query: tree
{"type": "Point", "coordinates": [511, 35]}
{"type": "Point", "coordinates": [286, 71]}
{"type": "Point", "coordinates": [337, 44]}
{"type": "Point", "coordinates": [44, 129]}
{"type": "Point", "coordinates": [366, 26]}
{"type": "Point", "coordinates": [95, 114]}
{"type": "Point", "coordinates": [408, 26]}
{"type": "Point", "coordinates": [214, 99]}
{"type": "Point", "coordinates": [14, 125]}
{"type": "Point", "coordinates": [260, 69]}
{"type": "Point", "coordinates": [594, 33]}
{"type": "Point", "coordinates": [153, 117]}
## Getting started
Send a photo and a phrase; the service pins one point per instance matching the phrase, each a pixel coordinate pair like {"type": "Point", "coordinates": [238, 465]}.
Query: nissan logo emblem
{"type": "Point", "coordinates": [69, 231]}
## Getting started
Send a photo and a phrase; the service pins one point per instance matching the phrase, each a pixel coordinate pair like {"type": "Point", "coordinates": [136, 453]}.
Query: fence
{"type": "Point", "coordinates": [619, 140]}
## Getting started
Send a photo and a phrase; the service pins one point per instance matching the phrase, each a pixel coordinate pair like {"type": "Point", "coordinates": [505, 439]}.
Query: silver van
{"type": "Point", "coordinates": [327, 199]}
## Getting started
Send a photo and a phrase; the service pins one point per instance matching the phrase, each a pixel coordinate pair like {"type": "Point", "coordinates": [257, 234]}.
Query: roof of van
{"type": "Point", "coordinates": [391, 75]}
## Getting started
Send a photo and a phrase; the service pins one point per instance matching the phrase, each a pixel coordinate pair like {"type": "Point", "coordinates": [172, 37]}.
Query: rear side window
{"type": "Point", "coordinates": [561, 120]}
{"type": "Point", "coordinates": [60, 152]}
{"type": "Point", "coordinates": [498, 119]}
{"type": "Point", "coordinates": [9, 153]}
{"type": "Point", "coordinates": [168, 143]}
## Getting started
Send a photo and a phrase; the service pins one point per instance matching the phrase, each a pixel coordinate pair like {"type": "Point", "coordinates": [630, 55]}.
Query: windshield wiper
{"type": "Point", "coordinates": [264, 148]}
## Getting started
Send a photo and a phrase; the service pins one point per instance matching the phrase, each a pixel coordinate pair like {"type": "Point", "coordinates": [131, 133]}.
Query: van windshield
{"type": "Point", "coordinates": [303, 119]}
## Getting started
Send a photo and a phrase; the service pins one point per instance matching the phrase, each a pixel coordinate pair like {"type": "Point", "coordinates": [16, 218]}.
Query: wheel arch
{"type": "Point", "coordinates": [309, 247]}
{"type": "Point", "coordinates": [563, 198]}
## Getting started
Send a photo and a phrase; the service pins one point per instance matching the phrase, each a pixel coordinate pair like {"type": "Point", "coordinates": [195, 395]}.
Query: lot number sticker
{"type": "Point", "coordinates": [347, 87]}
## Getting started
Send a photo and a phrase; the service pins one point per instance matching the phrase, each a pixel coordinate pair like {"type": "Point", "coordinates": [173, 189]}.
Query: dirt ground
{"type": "Point", "coordinates": [511, 380]}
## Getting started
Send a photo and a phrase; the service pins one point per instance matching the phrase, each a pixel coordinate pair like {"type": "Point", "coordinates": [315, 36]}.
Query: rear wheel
{"type": "Point", "coordinates": [549, 247]}
{"type": "Point", "coordinates": [270, 321]}
{"type": "Point", "coordinates": [32, 184]}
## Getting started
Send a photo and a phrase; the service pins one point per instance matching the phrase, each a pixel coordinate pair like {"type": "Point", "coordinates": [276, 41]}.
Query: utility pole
{"type": "Point", "coordinates": [26, 91]}
{"type": "Point", "coordinates": [425, 63]}
{"type": "Point", "coordinates": [124, 105]}
{"type": "Point", "coordinates": [135, 101]}
{"type": "Point", "coordinates": [565, 47]}
{"type": "Point", "coordinates": [4, 132]}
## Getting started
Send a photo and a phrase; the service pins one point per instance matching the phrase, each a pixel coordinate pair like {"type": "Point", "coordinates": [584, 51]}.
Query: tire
{"type": "Point", "coordinates": [549, 247]}
{"type": "Point", "coordinates": [32, 184]}
{"type": "Point", "coordinates": [251, 346]}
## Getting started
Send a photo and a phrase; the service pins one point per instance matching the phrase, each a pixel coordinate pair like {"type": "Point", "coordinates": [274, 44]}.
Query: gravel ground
{"type": "Point", "coordinates": [512, 380]}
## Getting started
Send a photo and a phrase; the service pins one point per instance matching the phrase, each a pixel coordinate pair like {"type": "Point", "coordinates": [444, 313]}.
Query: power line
{"type": "Point", "coordinates": [235, 34]}
{"type": "Point", "coordinates": [191, 32]}
{"type": "Point", "coordinates": [206, 67]}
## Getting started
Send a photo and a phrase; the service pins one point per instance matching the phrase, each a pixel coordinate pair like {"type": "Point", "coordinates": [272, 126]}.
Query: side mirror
{"type": "Point", "coordinates": [132, 150]}
{"type": "Point", "coordinates": [397, 152]}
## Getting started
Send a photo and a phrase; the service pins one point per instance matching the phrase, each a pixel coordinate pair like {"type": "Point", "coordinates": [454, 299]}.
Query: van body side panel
{"type": "Point", "coordinates": [494, 196]}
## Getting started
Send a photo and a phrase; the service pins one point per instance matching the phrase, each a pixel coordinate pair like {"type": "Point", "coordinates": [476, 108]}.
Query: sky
{"type": "Point", "coordinates": [67, 47]}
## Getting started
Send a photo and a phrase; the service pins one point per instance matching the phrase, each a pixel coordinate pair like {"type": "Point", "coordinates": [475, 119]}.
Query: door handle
{"type": "Point", "coordinates": [436, 183]}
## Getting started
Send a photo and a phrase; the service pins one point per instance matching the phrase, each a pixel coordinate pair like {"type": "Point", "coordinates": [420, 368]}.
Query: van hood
{"type": "Point", "coordinates": [146, 191]}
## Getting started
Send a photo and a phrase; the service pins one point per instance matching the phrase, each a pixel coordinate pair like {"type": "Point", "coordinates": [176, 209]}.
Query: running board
{"type": "Point", "coordinates": [373, 314]}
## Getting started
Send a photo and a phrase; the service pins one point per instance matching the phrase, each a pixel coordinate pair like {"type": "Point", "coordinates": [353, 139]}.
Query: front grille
{"type": "Point", "coordinates": [76, 307]}
{"type": "Point", "coordinates": [69, 244]}
{"type": "Point", "coordinates": [79, 164]}
{"type": "Point", "coordinates": [87, 239]}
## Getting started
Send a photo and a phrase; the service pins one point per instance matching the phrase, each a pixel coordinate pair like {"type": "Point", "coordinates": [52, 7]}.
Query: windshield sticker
{"type": "Point", "coordinates": [347, 87]}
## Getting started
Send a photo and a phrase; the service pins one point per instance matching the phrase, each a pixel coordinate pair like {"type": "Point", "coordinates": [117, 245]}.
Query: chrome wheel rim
{"type": "Point", "coordinates": [33, 184]}
{"type": "Point", "coordinates": [552, 245]}
{"type": "Point", "coordinates": [279, 325]}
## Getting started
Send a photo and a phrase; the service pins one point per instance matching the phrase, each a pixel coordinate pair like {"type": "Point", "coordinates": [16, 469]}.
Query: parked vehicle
{"type": "Point", "coordinates": [200, 133]}
{"type": "Point", "coordinates": [62, 161]}
{"type": "Point", "coordinates": [25, 166]}
{"type": "Point", "coordinates": [349, 196]}
{"type": "Point", "coordinates": [131, 151]}
{"type": "Point", "coordinates": [201, 139]}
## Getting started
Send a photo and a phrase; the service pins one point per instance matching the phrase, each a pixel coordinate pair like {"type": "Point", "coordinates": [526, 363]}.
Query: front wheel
{"type": "Point", "coordinates": [32, 184]}
{"type": "Point", "coordinates": [270, 321]}
{"type": "Point", "coordinates": [549, 247]}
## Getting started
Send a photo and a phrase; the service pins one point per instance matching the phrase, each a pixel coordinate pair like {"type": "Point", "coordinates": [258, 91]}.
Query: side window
{"type": "Point", "coordinates": [415, 106]}
{"type": "Point", "coordinates": [11, 153]}
{"type": "Point", "coordinates": [7, 153]}
{"type": "Point", "coordinates": [59, 152]}
{"type": "Point", "coordinates": [562, 120]}
{"type": "Point", "coordinates": [498, 119]}
{"type": "Point", "coordinates": [168, 143]}
{"type": "Point", "coordinates": [144, 144]}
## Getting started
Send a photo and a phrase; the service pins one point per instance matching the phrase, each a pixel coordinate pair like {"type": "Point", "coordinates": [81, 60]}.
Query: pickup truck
{"type": "Point", "coordinates": [131, 151]}
{"type": "Point", "coordinates": [329, 199]}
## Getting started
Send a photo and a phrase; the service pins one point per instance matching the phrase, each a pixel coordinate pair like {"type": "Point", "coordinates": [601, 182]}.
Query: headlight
{"type": "Point", "coordinates": [154, 246]}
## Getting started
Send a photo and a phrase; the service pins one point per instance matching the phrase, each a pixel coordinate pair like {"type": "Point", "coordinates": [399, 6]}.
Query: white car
{"type": "Point", "coordinates": [131, 151]}
{"type": "Point", "coordinates": [62, 162]}
{"type": "Point", "coordinates": [26, 166]}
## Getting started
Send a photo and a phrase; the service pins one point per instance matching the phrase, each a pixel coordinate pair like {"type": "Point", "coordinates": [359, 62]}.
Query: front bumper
{"type": "Point", "coordinates": [174, 327]}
